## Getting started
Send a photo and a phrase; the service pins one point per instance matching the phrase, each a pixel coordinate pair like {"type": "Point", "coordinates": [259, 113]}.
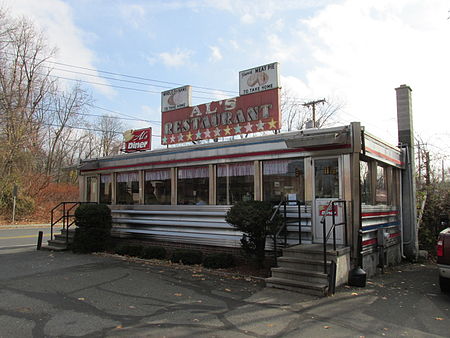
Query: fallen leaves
{"type": "Point", "coordinates": [178, 294]}
{"type": "Point", "coordinates": [438, 318]}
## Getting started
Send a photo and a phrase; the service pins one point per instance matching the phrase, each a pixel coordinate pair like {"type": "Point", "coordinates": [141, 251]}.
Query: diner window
{"type": "Point", "coordinates": [91, 189]}
{"type": "Point", "coordinates": [105, 189]}
{"type": "Point", "coordinates": [364, 172]}
{"type": "Point", "coordinates": [127, 188]}
{"type": "Point", "coordinates": [235, 182]}
{"type": "Point", "coordinates": [284, 179]}
{"type": "Point", "coordinates": [157, 186]}
{"type": "Point", "coordinates": [381, 186]}
{"type": "Point", "coordinates": [193, 185]}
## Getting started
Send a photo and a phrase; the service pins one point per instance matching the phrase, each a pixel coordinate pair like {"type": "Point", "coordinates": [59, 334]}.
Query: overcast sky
{"type": "Point", "coordinates": [354, 51]}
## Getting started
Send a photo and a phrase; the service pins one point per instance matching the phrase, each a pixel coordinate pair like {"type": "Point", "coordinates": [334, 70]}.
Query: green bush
{"type": "Point", "coordinates": [187, 257]}
{"type": "Point", "coordinates": [155, 252]}
{"type": "Point", "coordinates": [88, 240]}
{"type": "Point", "coordinates": [219, 261]}
{"type": "Point", "coordinates": [93, 232]}
{"type": "Point", "coordinates": [133, 250]}
{"type": "Point", "coordinates": [93, 215]}
{"type": "Point", "coordinates": [252, 218]}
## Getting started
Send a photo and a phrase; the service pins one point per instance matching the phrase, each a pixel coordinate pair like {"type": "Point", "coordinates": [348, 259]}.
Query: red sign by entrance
{"type": "Point", "coordinates": [138, 140]}
{"type": "Point", "coordinates": [239, 115]}
{"type": "Point", "coordinates": [323, 209]}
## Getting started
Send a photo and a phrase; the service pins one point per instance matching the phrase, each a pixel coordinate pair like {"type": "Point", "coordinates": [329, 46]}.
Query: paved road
{"type": "Point", "coordinates": [45, 294]}
{"type": "Point", "coordinates": [22, 236]}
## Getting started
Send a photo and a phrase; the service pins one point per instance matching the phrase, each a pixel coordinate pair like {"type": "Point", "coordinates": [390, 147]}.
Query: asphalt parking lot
{"type": "Point", "coordinates": [46, 294]}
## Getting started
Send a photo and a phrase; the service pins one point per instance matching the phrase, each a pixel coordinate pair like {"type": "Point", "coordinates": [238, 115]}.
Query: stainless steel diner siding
{"type": "Point", "coordinates": [307, 143]}
{"type": "Point", "coordinates": [376, 218]}
{"type": "Point", "coordinates": [192, 224]}
{"type": "Point", "coordinates": [381, 151]}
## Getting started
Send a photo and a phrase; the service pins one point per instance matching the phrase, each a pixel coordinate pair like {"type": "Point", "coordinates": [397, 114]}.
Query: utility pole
{"type": "Point", "coordinates": [313, 104]}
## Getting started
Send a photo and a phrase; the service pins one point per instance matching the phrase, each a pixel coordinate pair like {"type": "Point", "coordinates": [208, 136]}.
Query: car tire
{"type": "Point", "coordinates": [444, 283]}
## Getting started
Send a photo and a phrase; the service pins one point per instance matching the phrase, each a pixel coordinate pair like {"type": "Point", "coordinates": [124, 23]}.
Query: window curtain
{"type": "Point", "coordinates": [105, 178]}
{"type": "Point", "coordinates": [194, 172]}
{"type": "Point", "coordinates": [275, 167]}
{"type": "Point", "coordinates": [127, 177]}
{"type": "Point", "coordinates": [157, 175]}
{"type": "Point", "coordinates": [236, 169]}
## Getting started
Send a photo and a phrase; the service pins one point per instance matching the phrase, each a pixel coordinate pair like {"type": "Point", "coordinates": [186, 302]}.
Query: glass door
{"type": "Point", "coordinates": [327, 184]}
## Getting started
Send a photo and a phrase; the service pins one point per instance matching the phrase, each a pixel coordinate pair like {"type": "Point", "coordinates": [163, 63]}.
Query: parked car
{"type": "Point", "coordinates": [443, 259]}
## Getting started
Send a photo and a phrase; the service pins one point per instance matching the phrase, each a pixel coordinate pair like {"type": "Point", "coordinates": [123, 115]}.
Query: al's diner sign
{"type": "Point", "coordinates": [137, 140]}
{"type": "Point", "coordinates": [245, 114]}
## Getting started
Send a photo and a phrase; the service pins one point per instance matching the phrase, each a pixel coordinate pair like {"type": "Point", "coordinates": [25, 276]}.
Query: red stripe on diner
{"type": "Point", "coordinates": [379, 213]}
{"type": "Point", "coordinates": [395, 234]}
{"type": "Point", "coordinates": [369, 241]}
{"type": "Point", "coordinates": [384, 156]}
{"type": "Point", "coordinates": [187, 160]}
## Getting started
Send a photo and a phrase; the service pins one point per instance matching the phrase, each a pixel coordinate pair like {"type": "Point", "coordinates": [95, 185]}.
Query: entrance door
{"type": "Point", "coordinates": [326, 189]}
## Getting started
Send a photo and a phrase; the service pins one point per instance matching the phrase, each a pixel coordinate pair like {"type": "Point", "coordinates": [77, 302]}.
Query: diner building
{"type": "Point", "coordinates": [179, 196]}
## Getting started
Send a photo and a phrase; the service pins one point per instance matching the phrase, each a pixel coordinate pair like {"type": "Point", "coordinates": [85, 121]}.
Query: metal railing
{"type": "Point", "coordinates": [283, 227]}
{"type": "Point", "coordinates": [326, 235]}
{"type": "Point", "coordinates": [66, 211]}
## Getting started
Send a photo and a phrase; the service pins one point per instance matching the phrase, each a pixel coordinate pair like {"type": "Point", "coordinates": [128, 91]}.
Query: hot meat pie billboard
{"type": "Point", "coordinates": [245, 114]}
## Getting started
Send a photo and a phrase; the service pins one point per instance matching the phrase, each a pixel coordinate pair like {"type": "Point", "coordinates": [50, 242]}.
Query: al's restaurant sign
{"type": "Point", "coordinates": [255, 111]}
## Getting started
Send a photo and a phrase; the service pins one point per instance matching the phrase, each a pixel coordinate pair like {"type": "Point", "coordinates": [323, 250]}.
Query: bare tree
{"type": "Point", "coordinates": [110, 135]}
{"type": "Point", "coordinates": [63, 115]}
{"type": "Point", "coordinates": [24, 85]}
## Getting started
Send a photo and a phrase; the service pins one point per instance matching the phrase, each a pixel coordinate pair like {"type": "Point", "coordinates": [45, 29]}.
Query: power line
{"type": "Point", "coordinates": [128, 81]}
{"type": "Point", "coordinates": [137, 77]}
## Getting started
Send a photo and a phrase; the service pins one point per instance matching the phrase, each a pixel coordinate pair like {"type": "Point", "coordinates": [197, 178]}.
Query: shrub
{"type": "Point", "coordinates": [156, 252]}
{"type": "Point", "coordinates": [252, 218]}
{"type": "Point", "coordinates": [93, 232]}
{"type": "Point", "coordinates": [219, 261]}
{"type": "Point", "coordinates": [133, 250]}
{"type": "Point", "coordinates": [93, 215]}
{"type": "Point", "coordinates": [88, 240]}
{"type": "Point", "coordinates": [187, 257]}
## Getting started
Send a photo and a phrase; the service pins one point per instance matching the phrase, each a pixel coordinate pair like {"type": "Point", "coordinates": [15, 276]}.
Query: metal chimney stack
{"type": "Point", "coordinates": [408, 187]}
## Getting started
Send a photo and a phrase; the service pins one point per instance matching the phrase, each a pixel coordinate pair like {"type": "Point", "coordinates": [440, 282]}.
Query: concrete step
{"type": "Point", "coordinates": [62, 237]}
{"type": "Point", "coordinates": [300, 275]}
{"type": "Point", "coordinates": [297, 263]}
{"type": "Point", "coordinates": [57, 243]}
{"type": "Point", "coordinates": [317, 289]}
{"type": "Point", "coordinates": [314, 251]}
{"type": "Point", "coordinates": [53, 248]}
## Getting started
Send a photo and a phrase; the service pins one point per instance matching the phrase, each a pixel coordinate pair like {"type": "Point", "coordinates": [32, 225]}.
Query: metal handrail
{"type": "Point", "coordinates": [65, 216]}
{"type": "Point", "coordinates": [326, 236]}
{"type": "Point", "coordinates": [283, 227]}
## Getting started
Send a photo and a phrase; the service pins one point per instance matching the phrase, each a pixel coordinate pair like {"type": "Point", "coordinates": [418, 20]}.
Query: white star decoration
{"type": "Point", "coordinates": [217, 132]}
{"type": "Point", "coordinates": [180, 138]}
{"type": "Point", "coordinates": [172, 139]}
{"type": "Point", "coordinates": [207, 133]}
{"type": "Point", "coordinates": [248, 127]}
